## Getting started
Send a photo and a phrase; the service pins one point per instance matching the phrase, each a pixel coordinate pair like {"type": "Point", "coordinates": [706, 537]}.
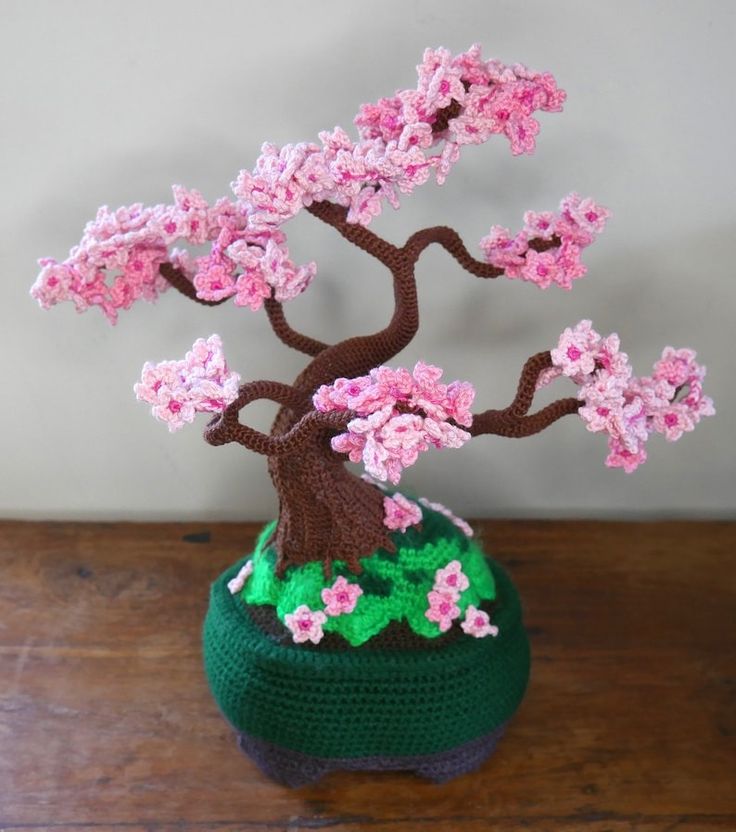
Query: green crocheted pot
{"type": "Point", "coordinates": [437, 708]}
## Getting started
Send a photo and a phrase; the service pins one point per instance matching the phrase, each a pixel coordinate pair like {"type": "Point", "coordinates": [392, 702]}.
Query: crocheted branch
{"type": "Point", "coordinates": [288, 335]}
{"type": "Point", "coordinates": [227, 428]}
{"type": "Point", "coordinates": [513, 421]}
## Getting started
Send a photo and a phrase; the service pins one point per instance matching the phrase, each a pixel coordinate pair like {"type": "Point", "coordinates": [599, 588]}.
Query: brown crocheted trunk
{"type": "Point", "coordinates": [324, 509]}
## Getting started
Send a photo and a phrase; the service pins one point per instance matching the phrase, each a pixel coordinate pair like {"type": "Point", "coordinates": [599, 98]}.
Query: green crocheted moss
{"type": "Point", "coordinates": [395, 585]}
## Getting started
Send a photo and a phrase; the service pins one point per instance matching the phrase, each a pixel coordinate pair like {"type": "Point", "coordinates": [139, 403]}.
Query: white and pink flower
{"type": "Point", "coordinates": [305, 624]}
{"type": "Point", "coordinates": [451, 579]}
{"type": "Point", "coordinates": [400, 513]}
{"type": "Point", "coordinates": [341, 598]}
{"type": "Point", "coordinates": [477, 623]}
{"type": "Point", "coordinates": [443, 608]}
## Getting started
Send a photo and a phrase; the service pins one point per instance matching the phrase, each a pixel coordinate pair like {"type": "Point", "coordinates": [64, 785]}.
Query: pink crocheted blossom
{"type": "Point", "coordinates": [458, 521]}
{"type": "Point", "coordinates": [341, 597]}
{"type": "Point", "coordinates": [305, 624]}
{"type": "Point", "coordinates": [573, 228]}
{"type": "Point", "coordinates": [477, 623]}
{"type": "Point", "coordinates": [451, 579]}
{"type": "Point", "coordinates": [443, 608]}
{"type": "Point", "coordinates": [237, 583]}
{"type": "Point", "coordinates": [400, 513]}
{"type": "Point", "coordinates": [384, 436]}
{"type": "Point", "coordinates": [200, 383]}
{"type": "Point", "coordinates": [627, 408]}
{"type": "Point", "coordinates": [118, 259]}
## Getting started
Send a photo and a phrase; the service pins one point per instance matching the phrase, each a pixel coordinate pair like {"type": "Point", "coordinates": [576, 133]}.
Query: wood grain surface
{"type": "Point", "coordinates": [106, 722]}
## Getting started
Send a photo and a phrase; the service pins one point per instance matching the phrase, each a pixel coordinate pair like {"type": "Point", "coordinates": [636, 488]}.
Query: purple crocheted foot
{"type": "Point", "coordinates": [294, 769]}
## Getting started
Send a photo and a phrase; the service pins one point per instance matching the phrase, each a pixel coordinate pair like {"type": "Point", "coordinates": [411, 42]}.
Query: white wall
{"type": "Point", "coordinates": [111, 103]}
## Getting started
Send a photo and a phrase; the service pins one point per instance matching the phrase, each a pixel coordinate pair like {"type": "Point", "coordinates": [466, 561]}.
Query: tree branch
{"type": "Point", "coordinates": [513, 420]}
{"type": "Point", "coordinates": [227, 428]}
{"type": "Point", "coordinates": [182, 284]}
{"type": "Point", "coordinates": [359, 235]}
{"type": "Point", "coordinates": [289, 336]}
{"type": "Point", "coordinates": [451, 241]}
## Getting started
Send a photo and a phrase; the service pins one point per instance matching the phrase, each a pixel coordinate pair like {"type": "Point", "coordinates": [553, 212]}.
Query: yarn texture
{"type": "Point", "coordinates": [394, 585]}
{"type": "Point", "coordinates": [362, 702]}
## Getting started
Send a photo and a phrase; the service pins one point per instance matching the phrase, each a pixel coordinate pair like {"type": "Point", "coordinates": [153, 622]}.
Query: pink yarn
{"type": "Point", "coordinates": [200, 383]}
{"type": "Point", "coordinates": [628, 409]}
{"type": "Point", "coordinates": [400, 513]}
{"type": "Point", "coordinates": [451, 579]}
{"type": "Point", "coordinates": [477, 623]}
{"type": "Point", "coordinates": [443, 609]}
{"type": "Point", "coordinates": [341, 598]}
{"type": "Point", "coordinates": [117, 260]}
{"type": "Point", "coordinates": [576, 225]}
{"type": "Point", "coordinates": [384, 437]}
{"type": "Point", "coordinates": [305, 624]}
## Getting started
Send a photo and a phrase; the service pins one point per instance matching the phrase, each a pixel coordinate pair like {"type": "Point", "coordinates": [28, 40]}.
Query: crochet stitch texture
{"type": "Point", "coordinates": [362, 702]}
{"type": "Point", "coordinates": [368, 630]}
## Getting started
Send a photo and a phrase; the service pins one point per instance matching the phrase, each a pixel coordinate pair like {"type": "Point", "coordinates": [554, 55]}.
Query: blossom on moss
{"type": "Point", "coordinates": [443, 608]}
{"type": "Point", "coordinates": [477, 623]}
{"type": "Point", "coordinates": [451, 579]}
{"type": "Point", "coordinates": [341, 597]}
{"type": "Point", "coordinates": [400, 513]}
{"type": "Point", "coordinates": [305, 624]}
{"type": "Point", "coordinates": [237, 583]}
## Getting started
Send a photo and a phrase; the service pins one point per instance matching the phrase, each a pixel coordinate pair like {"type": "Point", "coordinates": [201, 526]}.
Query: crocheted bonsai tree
{"type": "Point", "coordinates": [347, 403]}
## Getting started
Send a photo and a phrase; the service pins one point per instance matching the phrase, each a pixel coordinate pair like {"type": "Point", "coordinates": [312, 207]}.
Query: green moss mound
{"type": "Point", "coordinates": [394, 584]}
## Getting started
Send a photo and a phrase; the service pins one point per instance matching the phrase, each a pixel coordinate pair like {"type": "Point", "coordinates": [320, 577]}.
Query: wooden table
{"type": "Point", "coordinates": [106, 722]}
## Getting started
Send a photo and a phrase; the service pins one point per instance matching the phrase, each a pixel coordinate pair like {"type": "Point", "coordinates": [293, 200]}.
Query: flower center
{"type": "Point", "coordinates": [573, 353]}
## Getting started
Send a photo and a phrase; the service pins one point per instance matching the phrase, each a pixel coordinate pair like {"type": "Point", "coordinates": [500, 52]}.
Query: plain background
{"type": "Point", "coordinates": [112, 103]}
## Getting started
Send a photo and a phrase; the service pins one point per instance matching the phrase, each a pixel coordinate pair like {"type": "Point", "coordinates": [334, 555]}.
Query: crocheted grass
{"type": "Point", "coordinates": [394, 584]}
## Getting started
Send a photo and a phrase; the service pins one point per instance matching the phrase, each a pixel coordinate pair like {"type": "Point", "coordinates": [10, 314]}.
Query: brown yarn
{"type": "Point", "coordinates": [327, 513]}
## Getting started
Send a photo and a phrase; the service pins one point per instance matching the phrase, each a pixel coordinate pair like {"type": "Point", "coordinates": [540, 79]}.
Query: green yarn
{"type": "Point", "coordinates": [364, 702]}
{"type": "Point", "coordinates": [395, 585]}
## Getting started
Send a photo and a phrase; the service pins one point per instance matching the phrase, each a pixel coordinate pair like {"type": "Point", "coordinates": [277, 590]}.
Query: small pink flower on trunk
{"type": "Point", "coordinates": [341, 597]}
{"type": "Point", "coordinates": [305, 624]}
{"type": "Point", "coordinates": [442, 608]}
{"type": "Point", "coordinates": [451, 579]}
{"type": "Point", "coordinates": [477, 623]}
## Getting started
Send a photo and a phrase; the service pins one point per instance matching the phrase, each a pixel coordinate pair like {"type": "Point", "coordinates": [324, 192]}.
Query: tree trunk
{"type": "Point", "coordinates": [325, 512]}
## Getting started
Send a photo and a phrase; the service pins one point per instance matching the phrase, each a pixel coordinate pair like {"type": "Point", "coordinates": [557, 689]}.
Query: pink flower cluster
{"type": "Point", "coordinates": [396, 135]}
{"type": "Point", "coordinates": [627, 408]}
{"type": "Point", "coordinates": [400, 414]}
{"type": "Point", "coordinates": [449, 582]}
{"type": "Point", "coordinates": [400, 513]}
{"type": "Point", "coordinates": [307, 624]}
{"type": "Point", "coordinates": [200, 383]}
{"type": "Point", "coordinates": [119, 256]}
{"type": "Point", "coordinates": [573, 228]}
